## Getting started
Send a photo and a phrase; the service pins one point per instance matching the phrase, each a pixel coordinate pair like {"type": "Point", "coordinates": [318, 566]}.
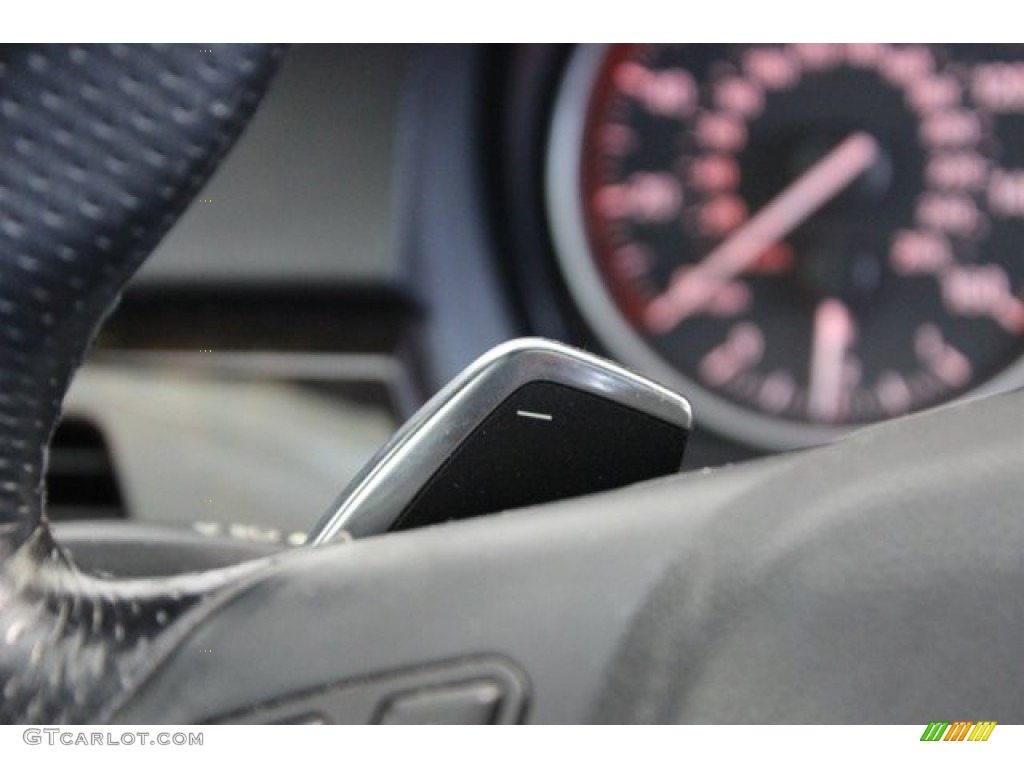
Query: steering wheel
{"type": "Point", "coordinates": [877, 579]}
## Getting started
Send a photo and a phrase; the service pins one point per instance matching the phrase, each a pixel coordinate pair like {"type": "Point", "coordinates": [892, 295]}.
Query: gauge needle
{"type": "Point", "coordinates": [834, 331]}
{"type": "Point", "coordinates": [690, 290]}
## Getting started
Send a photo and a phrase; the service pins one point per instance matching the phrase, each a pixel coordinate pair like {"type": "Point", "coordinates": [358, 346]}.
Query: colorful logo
{"type": "Point", "coordinates": [959, 731]}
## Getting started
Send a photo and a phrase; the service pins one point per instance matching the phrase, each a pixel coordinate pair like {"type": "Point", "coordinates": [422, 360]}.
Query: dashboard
{"type": "Point", "coordinates": [802, 240]}
{"type": "Point", "coordinates": [805, 240]}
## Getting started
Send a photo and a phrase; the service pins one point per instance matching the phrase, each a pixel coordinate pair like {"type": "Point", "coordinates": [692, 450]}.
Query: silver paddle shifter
{"type": "Point", "coordinates": [531, 421]}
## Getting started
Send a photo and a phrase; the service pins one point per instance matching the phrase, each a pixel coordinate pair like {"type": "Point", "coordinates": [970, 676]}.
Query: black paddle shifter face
{"type": "Point", "coordinates": [530, 422]}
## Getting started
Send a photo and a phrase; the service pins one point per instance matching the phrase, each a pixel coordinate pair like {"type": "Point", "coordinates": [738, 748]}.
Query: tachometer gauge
{"type": "Point", "coordinates": [801, 238]}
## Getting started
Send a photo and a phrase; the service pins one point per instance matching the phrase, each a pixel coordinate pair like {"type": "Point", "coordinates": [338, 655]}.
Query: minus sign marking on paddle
{"type": "Point", "coordinates": [533, 415]}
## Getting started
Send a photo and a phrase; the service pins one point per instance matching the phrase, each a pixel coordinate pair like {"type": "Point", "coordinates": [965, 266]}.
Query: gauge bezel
{"type": "Point", "coordinates": [563, 171]}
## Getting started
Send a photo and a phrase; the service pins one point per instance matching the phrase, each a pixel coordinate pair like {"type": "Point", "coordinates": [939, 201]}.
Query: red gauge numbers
{"type": "Point", "coordinates": [818, 235]}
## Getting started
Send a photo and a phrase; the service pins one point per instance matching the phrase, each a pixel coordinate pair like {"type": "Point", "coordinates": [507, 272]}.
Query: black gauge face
{"type": "Point", "coordinates": [809, 236]}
